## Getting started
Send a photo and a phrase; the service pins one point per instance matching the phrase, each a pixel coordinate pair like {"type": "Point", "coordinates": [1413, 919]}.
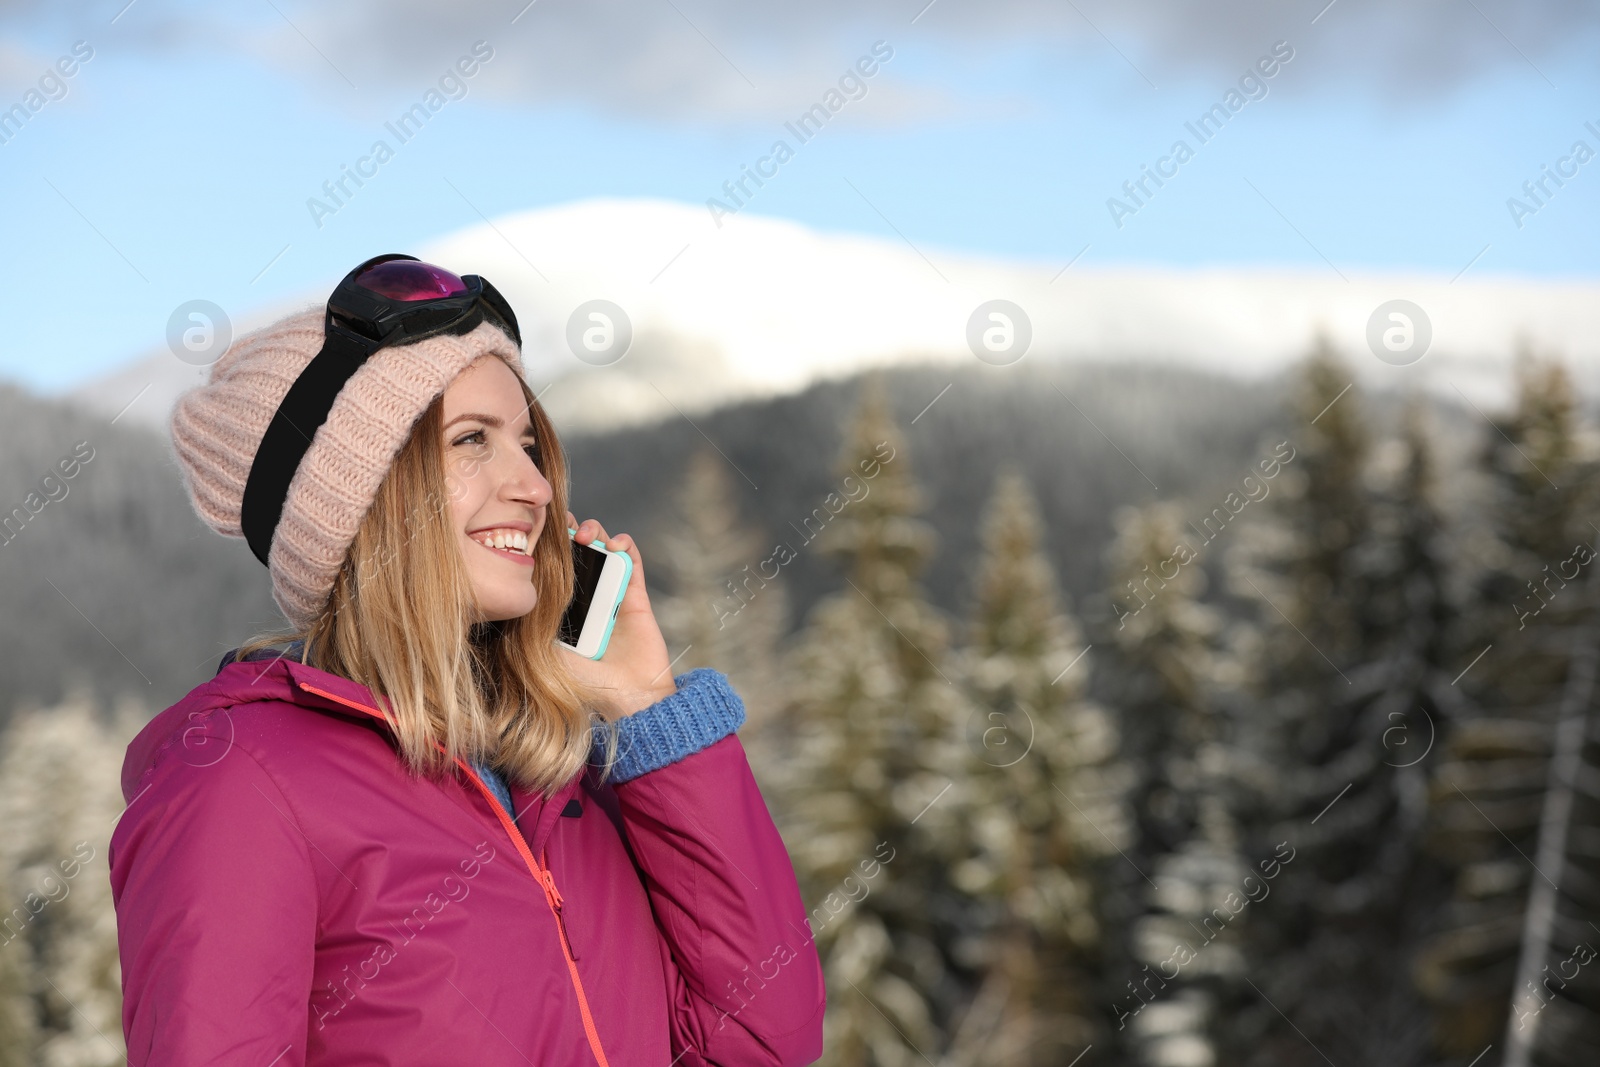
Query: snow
{"type": "Point", "coordinates": [759, 306]}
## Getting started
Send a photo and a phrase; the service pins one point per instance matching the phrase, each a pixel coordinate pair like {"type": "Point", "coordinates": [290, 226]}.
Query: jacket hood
{"type": "Point", "coordinates": [268, 675]}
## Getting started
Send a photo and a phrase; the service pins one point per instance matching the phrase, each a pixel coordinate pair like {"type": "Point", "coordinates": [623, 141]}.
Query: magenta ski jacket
{"type": "Point", "coordinates": [287, 893]}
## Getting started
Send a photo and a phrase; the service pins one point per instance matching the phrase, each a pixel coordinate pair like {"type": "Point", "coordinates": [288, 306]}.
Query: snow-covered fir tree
{"type": "Point", "coordinates": [877, 717]}
{"type": "Point", "coordinates": [1036, 812]}
{"type": "Point", "coordinates": [1182, 884]}
{"type": "Point", "coordinates": [1350, 579]}
{"type": "Point", "coordinates": [727, 607]}
{"type": "Point", "coordinates": [60, 796]}
{"type": "Point", "coordinates": [1520, 830]}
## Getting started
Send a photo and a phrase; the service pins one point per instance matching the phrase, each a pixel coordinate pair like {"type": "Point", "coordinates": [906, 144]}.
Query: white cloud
{"type": "Point", "coordinates": [734, 59]}
{"type": "Point", "coordinates": [763, 306]}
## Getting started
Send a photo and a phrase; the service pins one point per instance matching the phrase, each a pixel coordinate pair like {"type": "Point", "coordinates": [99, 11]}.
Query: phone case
{"type": "Point", "coordinates": [627, 575]}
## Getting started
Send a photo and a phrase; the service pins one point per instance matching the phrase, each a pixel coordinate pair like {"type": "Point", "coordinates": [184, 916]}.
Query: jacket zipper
{"type": "Point", "coordinates": [552, 896]}
{"type": "Point", "coordinates": [540, 869]}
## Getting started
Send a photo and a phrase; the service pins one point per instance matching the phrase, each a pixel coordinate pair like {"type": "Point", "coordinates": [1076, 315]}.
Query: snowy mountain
{"type": "Point", "coordinates": [759, 306]}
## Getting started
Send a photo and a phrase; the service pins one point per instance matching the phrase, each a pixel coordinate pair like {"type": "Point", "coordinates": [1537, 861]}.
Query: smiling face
{"type": "Point", "coordinates": [499, 498]}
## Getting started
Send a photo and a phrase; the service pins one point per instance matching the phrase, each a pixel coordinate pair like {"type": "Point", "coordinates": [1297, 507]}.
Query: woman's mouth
{"type": "Point", "coordinates": [514, 545]}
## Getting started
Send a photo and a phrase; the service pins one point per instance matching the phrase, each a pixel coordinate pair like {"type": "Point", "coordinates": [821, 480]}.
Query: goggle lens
{"type": "Point", "coordinates": [409, 280]}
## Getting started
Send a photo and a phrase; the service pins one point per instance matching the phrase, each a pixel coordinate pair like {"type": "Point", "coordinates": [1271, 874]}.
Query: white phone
{"type": "Point", "coordinates": [600, 580]}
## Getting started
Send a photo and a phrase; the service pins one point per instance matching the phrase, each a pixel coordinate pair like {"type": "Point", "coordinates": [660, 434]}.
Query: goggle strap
{"type": "Point", "coordinates": [502, 307]}
{"type": "Point", "coordinates": [306, 405]}
{"type": "Point", "coordinates": [304, 409]}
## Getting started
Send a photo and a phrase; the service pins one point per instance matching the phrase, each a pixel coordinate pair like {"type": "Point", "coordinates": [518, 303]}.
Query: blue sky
{"type": "Point", "coordinates": [172, 174]}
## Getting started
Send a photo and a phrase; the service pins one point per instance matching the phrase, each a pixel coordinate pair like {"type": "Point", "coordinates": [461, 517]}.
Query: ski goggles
{"type": "Point", "coordinates": [388, 300]}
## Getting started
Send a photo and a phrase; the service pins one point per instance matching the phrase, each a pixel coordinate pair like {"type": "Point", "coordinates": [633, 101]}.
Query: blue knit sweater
{"type": "Point", "coordinates": [703, 711]}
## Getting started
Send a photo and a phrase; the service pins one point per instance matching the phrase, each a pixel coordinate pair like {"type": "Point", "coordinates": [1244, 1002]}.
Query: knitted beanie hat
{"type": "Point", "coordinates": [217, 427]}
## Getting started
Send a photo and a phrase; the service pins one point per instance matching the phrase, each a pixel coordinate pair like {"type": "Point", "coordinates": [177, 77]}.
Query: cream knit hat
{"type": "Point", "coordinates": [217, 427]}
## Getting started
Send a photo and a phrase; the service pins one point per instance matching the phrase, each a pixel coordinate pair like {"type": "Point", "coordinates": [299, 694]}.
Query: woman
{"type": "Point", "coordinates": [403, 840]}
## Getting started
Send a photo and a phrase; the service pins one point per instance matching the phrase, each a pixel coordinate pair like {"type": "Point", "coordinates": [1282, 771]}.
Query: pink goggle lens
{"type": "Point", "coordinates": [409, 280]}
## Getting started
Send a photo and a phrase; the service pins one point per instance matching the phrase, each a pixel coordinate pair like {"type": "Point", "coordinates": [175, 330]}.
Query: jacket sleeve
{"type": "Point", "coordinates": [216, 902]}
{"type": "Point", "coordinates": [747, 984]}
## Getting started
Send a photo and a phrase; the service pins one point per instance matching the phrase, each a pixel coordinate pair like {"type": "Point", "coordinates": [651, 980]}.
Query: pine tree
{"type": "Point", "coordinates": [1379, 885]}
{"type": "Point", "coordinates": [1037, 810]}
{"type": "Point", "coordinates": [60, 770]}
{"type": "Point", "coordinates": [1351, 579]}
{"type": "Point", "coordinates": [875, 713]}
{"type": "Point", "coordinates": [1171, 676]}
{"type": "Point", "coordinates": [728, 606]}
{"type": "Point", "coordinates": [1520, 830]}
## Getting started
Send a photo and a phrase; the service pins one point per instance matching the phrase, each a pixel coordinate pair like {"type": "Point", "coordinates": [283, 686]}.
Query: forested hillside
{"type": "Point", "coordinates": [117, 582]}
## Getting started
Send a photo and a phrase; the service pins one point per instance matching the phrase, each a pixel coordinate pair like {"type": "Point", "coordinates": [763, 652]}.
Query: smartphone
{"type": "Point", "coordinates": [600, 580]}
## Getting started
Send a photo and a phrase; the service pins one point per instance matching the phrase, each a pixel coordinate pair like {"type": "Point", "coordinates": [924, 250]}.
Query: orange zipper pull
{"type": "Point", "coordinates": [548, 880]}
{"type": "Point", "coordinates": [557, 904]}
{"type": "Point", "coordinates": [550, 889]}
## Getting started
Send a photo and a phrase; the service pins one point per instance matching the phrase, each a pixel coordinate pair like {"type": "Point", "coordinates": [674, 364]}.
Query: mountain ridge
{"type": "Point", "coordinates": [761, 307]}
{"type": "Point", "coordinates": [121, 587]}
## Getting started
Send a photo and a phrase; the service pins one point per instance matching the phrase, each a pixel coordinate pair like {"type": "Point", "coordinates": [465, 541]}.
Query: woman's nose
{"type": "Point", "coordinates": [526, 482]}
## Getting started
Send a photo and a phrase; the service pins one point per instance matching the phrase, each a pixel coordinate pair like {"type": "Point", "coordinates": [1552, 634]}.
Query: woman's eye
{"type": "Point", "coordinates": [473, 438]}
{"type": "Point", "coordinates": [533, 453]}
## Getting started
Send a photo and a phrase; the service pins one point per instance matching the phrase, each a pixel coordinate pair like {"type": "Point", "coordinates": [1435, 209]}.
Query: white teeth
{"type": "Point", "coordinates": [506, 540]}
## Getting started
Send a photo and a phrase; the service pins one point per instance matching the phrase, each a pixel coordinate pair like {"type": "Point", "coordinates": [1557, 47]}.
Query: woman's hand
{"type": "Point", "coordinates": [635, 671]}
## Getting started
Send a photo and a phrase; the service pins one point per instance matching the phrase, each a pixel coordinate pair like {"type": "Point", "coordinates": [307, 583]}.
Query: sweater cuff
{"type": "Point", "coordinates": [703, 711]}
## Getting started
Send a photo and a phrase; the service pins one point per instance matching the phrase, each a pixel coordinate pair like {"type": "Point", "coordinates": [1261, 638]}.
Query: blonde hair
{"type": "Point", "coordinates": [400, 620]}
